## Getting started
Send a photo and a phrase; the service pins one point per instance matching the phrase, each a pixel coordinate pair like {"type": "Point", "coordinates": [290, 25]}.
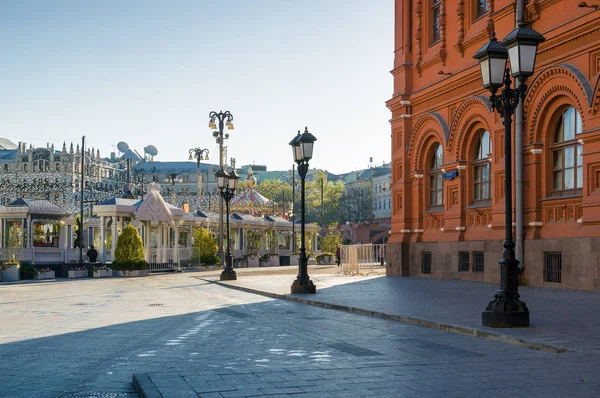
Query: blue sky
{"type": "Point", "coordinates": [149, 72]}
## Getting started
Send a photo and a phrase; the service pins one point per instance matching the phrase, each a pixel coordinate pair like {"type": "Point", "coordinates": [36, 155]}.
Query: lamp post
{"type": "Point", "coordinates": [506, 310]}
{"type": "Point", "coordinates": [199, 154]}
{"type": "Point", "coordinates": [302, 148]}
{"type": "Point", "coordinates": [227, 183]}
{"type": "Point", "coordinates": [224, 119]}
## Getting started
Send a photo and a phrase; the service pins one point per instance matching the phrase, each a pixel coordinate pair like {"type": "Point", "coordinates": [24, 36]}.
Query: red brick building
{"type": "Point", "coordinates": [452, 226]}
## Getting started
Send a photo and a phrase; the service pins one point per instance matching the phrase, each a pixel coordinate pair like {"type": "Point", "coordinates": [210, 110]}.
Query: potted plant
{"type": "Point", "coordinates": [129, 254]}
{"type": "Point", "coordinates": [324, 258]}
{"type": "Point", "coordinates": [10, 269]}
{"type": "Point", "coordinates": [255, 239]}
{"type": "Point", "coordinates": [78, 271]}
{"type": "Point", "coordinates": [44, 273]}
{"type": "Point", "coordinates": [263, 261]}
{"type": "Point", "coordinates": [102, 271]}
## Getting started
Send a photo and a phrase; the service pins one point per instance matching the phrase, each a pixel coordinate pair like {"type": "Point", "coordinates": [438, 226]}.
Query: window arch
{"type": "Point", "coordinates": [567, 157]}
{"type": "Point", "coordinates": [482, 177]}
{"type": "Point", "coordinates": [436, 183]}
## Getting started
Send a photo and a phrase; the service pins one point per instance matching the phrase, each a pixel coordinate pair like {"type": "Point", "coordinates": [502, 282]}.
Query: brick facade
{"type": "Point", "coordinates": [439, 100]}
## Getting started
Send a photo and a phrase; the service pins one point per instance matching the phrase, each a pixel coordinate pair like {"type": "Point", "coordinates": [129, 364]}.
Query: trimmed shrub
{"type": "Point", "coordinates": [129, 253]}
{"type": "Point", "coordinates": [205, 247]}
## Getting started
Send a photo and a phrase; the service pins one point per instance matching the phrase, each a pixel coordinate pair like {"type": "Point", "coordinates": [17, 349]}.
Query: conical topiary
{"type": "Point", "coordinates": [129, 253]}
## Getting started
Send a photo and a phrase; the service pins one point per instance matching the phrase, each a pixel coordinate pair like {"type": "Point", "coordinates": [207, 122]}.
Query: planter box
{"type": "Point", "coordinates": [103, 273]}
{"type": "Point", "coordinates": [294, 259]}
{"type": "Point", "coordinates": [326, 260]}
{"type": "Point", "coordinates": [274, 261]}
{"type": "Point", "coordinates": [11, 273]}
{"type": "Point", "coordinates": [78, 274]}
{"type": "Point", "coordinates": [208, 267]}
{"type": "Point", "coordinates": [253, 261]}
{"type": "Point", "coordinates": [44, 275]}
{"type": "Point", "coordinates": [139, 272]}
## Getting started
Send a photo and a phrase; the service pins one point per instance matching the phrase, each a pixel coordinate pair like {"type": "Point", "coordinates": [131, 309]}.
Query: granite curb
{"type": "Point", "coordinates": [144, 387]}
{"type": "Point", "coordinates": [463, 330]}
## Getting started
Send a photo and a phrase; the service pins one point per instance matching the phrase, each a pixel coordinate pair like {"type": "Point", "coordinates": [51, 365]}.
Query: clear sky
{"type": "Point", "coordinates": [149, 72]}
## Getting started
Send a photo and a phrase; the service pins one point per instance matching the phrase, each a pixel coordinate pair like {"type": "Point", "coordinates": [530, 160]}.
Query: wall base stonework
{"type": "Point", "coordinates": [580, 261]}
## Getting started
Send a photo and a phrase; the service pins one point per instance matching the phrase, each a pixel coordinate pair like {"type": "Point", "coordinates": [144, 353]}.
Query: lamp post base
{"type": "Point", "coordinates": [505, 319]}
{"type": "Point", "coordinates": [304, 288]}
{"type": "Point", "coordinates": [228, 275]}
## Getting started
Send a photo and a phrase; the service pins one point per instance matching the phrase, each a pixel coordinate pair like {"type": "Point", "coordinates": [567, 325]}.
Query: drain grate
{"type": "Point", "coordinates": [156, 305]}
{"type": "Point", "coordinates": [94, 394]}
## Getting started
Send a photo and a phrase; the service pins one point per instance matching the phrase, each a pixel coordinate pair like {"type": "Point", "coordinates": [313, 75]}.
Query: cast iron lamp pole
{"type": "Point", "coordinates": [199, 154]}
{"type": "Point", "coordinates": [227, 184]}
{"type": "Point", "coordinates": [302, 147]}
{"type": "Point", "coordinates": [507, 310]}
{"type": "Point", "coordinates": [224, 119]}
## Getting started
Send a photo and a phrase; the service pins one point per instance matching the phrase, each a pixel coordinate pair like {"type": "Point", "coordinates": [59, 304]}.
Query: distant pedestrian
{"type": "Point", "coordinates": [92, 254]}
{"type": "Point", "coordinates": [382, 255]}
{"type": "Point", "coordinates": [338, 255]}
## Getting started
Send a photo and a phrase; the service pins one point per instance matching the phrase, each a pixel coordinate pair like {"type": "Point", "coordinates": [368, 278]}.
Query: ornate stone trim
{"type": "Point", "coordinates": [460, 14]}
{"type": "Point", "coordinates": [419, 34]}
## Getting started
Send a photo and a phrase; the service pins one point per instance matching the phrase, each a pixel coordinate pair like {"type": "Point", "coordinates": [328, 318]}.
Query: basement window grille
{"type": "Point", "coordinates": [426, 263]}
{"type": "Point", "coordinates": [552, 267]}
{"type": "Point", "coordinates": [477, 261]}
{"type": "Point", "coordinates": [463, 262]}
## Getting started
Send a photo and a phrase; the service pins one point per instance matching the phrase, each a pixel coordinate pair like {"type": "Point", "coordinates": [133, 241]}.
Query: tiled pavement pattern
{"type": "Point", "coordinates": [193, 338]}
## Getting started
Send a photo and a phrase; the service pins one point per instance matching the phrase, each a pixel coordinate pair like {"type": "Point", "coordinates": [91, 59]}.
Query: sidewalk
{"type": "Point", "coordinates": [561, 320]}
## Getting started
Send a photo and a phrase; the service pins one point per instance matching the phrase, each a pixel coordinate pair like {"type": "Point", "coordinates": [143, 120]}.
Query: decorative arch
{"type": "Point", "coordinates": [472, 110]}
{"type": "Point", "coordinates": [550, 84]}
{"type": "Point", "coordinates": [596, 96]}
{"type": "Point", "coordinates": [429, 124]}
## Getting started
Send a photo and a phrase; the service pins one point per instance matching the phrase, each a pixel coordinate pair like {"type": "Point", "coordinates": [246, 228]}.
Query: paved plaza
{"type": "Point", "coordinates": [189, 335]}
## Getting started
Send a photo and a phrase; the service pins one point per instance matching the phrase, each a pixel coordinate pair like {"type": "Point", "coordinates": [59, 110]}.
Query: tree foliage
{"type": "Point", "coordinates": [332, 238]}
{"type": "Point", "coordinates": [129, 253]}
{"type": "Point", "coordinates": [332, 192]}
{"type": "Point", "coordinates": [14, 243]}
{"type": "Point", "coordinates": [205, 246]}
{"type": "Point", "coordinates": [356, 203]}
{"type": "Point", "coordinates": [275, 190]}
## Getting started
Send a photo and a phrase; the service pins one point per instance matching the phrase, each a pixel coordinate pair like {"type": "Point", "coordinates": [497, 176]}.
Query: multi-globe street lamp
{"type": "Point", "coordinates": [302, 148]}
{"type": "Point", "coordinates": [224, 119]}
{"type": "Point", "coordinates": [520, 46]}
{"type": "Point", "coordinates": [227, 183]}
{"type": "Point", "coordinates": [199, 154]}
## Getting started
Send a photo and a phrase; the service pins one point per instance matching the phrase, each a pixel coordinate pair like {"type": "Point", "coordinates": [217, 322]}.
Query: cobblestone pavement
{"type": "Point", "coordinates": [189, 337]}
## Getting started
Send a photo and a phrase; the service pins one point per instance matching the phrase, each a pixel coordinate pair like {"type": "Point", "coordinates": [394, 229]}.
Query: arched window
{"type": "Point", "coordinates": [482, 178]}
{"type": "Point", "coordinates": [436, 184]}
{"type": "Point", "coordinates": [567, 153]}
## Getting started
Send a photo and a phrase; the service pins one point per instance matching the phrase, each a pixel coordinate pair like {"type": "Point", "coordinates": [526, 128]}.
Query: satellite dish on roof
{"type": "Point", "coordinates": [151, 150]}
{"type": "Point", "coordinates": [122, 146]}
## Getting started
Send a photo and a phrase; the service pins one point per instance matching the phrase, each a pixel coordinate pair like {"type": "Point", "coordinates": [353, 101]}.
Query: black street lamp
{"type": "Point", "coordinates": [302, 147]}
{"type": "Point", "coordinates": [227, 183]}
{"type": "Point", "coordinates": [224, 119]}
{"type": "Point", "coordinates": [199, 154]}
{"type": "Point", "coordinates": [506, 310]}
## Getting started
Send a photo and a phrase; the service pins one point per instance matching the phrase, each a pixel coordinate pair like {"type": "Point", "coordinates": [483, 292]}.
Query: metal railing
{"type": "Point", "coordinates": [362, 259]}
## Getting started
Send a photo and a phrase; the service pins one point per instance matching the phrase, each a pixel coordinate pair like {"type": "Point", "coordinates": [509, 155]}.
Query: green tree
{"type": "Point", "coordinates": [332, 192]}
{"type": "Point", "coordinates": [255, 240]}
{"type": "Point", "coordinates": [205, 247]}
{"type": "Point", "coordinates": [356, 203]}
{"type": "Point", "coordinates": [14, 243]}
{"type": "Point", "coordinates": [332, 239]}
{"type": "Point", "coordinates": [78, 235]}
{"type": "Point", "coordinates": [129, 253]}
